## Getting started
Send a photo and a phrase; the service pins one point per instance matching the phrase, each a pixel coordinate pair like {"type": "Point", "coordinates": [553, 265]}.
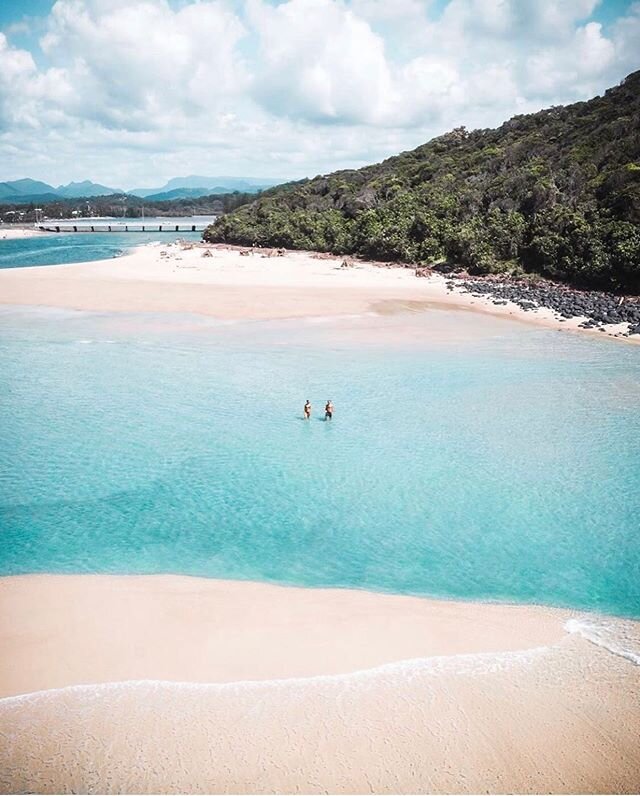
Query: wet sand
{"type": "Point", "coordinates": [227, 285]}
{"type": "Point", "coordinates": [68, 629]}
{"type": "Point", "coordinates": [242, 687]}
{"type": "Point", "coordinates": [15, 233]}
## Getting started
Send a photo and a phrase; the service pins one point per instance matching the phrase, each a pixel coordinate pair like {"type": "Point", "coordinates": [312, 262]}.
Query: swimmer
{"type": "Point", "coordinates": [328, 410]}
{"type": "Point", "coordinates": [307, 410]}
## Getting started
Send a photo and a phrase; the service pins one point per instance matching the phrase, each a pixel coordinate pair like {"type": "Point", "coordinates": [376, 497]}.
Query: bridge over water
{"type": "Point", "coordinates": [154, 225]}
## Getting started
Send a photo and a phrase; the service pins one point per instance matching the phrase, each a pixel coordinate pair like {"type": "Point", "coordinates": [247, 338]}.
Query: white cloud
{"type": "Point", "coordinates": [555, 19]}
{"type": "Point", "coordinates": [133, 91]}
{"type": "Point", "coordinates": [130, 61]}
{"type": "Point", "coordinates": [322, 63]}
{"type": "Point", "coordinates": [537, 20]}
{"type": "Point", "coordinates": [626, 39]}
{"type": "Point", "coordinates": [401, 22]}
{"type": "Point", "coordinates": [24, 89]}
{"type": "Point", "coordinates": [319, 61]}
{"type": "Point", "coordinates": [585, 57]}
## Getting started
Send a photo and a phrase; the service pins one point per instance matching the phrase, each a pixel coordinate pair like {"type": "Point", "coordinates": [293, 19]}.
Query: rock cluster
{"type": "Point", "coordinates": [598, 309]}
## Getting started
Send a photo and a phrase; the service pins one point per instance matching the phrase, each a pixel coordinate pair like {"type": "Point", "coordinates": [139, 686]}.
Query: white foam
{"type": "Point", "coordinates": [467, 664]}
{"type": "Point", "coordinates": [618, 636]}
{"type": "Point", "coordinates": [91, 341]}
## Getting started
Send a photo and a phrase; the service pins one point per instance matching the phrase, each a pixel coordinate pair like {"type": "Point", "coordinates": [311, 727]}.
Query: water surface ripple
{"type": "Point", "coordinates": [504, 468]}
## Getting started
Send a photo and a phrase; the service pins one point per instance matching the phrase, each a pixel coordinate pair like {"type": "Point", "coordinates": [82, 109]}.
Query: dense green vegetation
{"type": "Point", "coordinates": [555, 193]}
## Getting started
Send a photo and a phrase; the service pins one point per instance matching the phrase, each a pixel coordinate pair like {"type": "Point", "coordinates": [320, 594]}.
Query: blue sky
{"type": "Point", "coordinates": [132, 92]}
{"type": "Point", "coordinates": [16, 10]}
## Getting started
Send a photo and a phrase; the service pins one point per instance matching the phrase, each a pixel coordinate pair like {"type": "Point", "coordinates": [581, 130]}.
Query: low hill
{"type": "Point", "coordinates": [26, 191]}
{"type": "Point", "coordinates": [117, 205]}
{"type": "Point", "coordinates": [75, 190]}
{"type": "Point", "coordinates": [555, 193]}
{"type": "Point", "coordinates": [186, 193]}
{"type": "Point", "coordinates": [194, 185]}
{"type": "Point", "coordinates": [30, 199]}
{"type": "Point", "coordinates": [25, 187]}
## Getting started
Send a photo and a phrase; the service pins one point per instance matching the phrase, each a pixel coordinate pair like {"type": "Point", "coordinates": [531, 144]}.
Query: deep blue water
{"type": "Point", "coordinates": [55, 249]}
{"type": "Point", "coordinates": [505, 467]}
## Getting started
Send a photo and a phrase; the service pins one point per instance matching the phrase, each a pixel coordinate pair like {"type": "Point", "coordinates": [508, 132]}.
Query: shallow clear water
{"type": "Point", "coordinates": [56, 249]}
{"type": "Point", "coordinates": [503, 467]}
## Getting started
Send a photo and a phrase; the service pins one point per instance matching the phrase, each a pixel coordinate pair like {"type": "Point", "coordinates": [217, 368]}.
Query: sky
{"type": "Point", "coordinates": [130, 93]}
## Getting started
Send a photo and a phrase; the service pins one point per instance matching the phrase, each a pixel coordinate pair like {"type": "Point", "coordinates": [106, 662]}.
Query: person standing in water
{"type": "Point", "coordinates": [328, 410]}
{"type": "Point", "coordinates": [307, 410]}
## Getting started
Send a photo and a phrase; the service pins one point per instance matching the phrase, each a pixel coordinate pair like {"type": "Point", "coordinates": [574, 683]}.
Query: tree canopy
{"type": "Point", "coordinates": [555, 193]}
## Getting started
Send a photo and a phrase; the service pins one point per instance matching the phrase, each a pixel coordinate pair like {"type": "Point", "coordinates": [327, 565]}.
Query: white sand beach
{"type": "Point", "coordinates": [224, 631]}
{"type": "Point", "coordinates": [17, 233]}
{"type": "Point", "coordinates": [219, 281]}
{"type": "Point", "coordinates": [190, 685]}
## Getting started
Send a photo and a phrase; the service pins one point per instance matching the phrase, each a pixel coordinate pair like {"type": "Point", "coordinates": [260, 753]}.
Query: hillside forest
{"type": "Point", "coordinates": [554, 193]}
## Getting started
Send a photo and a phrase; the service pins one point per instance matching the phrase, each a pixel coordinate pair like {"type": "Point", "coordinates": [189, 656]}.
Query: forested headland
{"type": "Point", "coordinates": [554, 193]}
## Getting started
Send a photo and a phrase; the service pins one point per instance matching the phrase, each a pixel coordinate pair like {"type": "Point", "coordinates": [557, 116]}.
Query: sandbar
{"type": "Point", "coordinates": [69, 629]}
{"type": "Point", "coordinates": [17, 233]}
{"type": "Point", "coordinates": [218, 281]}
{"type": "Point", "coordinates": [161, 684]}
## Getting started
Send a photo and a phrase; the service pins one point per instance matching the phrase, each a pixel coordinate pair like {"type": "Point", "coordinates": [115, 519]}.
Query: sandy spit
{"type": "Point", "coordinates": [220, 282]}
{"type": "Point", "coordinates": [69, 629]}
{"type": "Point", "coordinates": [508, 702]}
{"type": "Point", "coordinates": [16, 233]}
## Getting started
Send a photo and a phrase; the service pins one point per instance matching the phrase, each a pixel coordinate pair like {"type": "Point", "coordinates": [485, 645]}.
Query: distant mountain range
{"type": "Point", "coordinates": [85, 188]}
{"type": "Point", "coordinates": [26, 190]}
{"type": "Point", "coordinates": [26, 187]}
{"type": "Point", "coordinates": [193, 186]}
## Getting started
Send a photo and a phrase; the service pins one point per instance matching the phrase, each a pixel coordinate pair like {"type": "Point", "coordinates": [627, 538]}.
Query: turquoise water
{"type": "Point", "coordinates": [56, 249]}
{"type": "Point", "coordinates": [505, 467]}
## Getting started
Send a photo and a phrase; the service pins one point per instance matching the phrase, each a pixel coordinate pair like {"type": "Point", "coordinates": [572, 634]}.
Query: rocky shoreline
{"type": "Point", "coordinates": [598, 309]}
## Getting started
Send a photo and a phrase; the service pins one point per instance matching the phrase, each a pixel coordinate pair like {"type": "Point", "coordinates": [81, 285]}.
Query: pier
{"type": "Point", "coordinates": [115, 226]}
